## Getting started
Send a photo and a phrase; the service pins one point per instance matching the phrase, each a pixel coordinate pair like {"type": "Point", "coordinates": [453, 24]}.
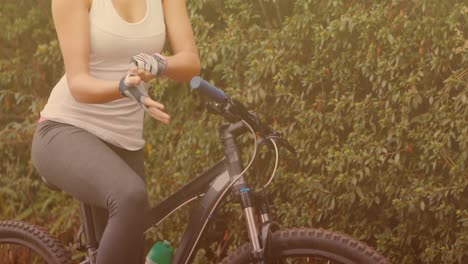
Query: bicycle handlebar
{"type": "Point", "coordinates": [207, 89]}
{"type": "Point", "coordinates": [233, 111]}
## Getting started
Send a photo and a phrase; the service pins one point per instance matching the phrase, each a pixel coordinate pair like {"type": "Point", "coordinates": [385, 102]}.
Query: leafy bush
{"type": "Point", "coordinates": [372, 93]}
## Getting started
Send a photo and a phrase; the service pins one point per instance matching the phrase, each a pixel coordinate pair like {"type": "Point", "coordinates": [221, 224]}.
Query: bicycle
{"type": "Point", "coordinates": [268, 243]}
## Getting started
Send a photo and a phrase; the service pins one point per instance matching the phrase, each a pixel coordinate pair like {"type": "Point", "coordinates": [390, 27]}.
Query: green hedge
{"type": "Point", "coordinates": [372, 93]}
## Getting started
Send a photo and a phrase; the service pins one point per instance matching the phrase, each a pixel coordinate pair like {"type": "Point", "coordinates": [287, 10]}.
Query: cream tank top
{"type": "Point", "coordinates": [113, 42]}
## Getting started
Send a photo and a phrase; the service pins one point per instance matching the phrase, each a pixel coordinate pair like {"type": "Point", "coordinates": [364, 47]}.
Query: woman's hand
{"type": "Point", "coordinates": [141, 75]}
{"type": "Point", "coordinates": [153, 65]}
{"type": "Point", "coordinates": [156, 110]}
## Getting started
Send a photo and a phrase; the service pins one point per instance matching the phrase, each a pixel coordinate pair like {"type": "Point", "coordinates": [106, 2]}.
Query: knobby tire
{"type": "Point", "coordinates": [310, 243]}
{"type": "Point", "coordinates": [33, 238]}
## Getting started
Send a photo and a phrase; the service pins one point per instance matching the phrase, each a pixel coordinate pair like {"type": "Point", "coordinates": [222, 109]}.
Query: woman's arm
{"type": "Point", "coordinates": [184, 64]}
{"type": "Point", "coordinates": [71, 21]}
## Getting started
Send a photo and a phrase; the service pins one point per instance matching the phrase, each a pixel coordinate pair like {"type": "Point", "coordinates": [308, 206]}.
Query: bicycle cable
{"type": "Point", "coordinates": [276, 165]}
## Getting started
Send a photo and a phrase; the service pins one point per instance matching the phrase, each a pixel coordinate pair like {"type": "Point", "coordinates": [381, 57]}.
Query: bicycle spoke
{"type": "Point", "coordinates": [15, 254]}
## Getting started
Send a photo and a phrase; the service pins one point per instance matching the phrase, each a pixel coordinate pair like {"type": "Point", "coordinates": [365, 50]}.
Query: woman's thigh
{"type": "Point", "coordinates": [79, 163]}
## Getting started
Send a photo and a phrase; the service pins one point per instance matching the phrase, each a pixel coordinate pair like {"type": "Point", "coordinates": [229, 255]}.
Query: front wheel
{"type": "Point", "coordinates": [25, 243]}
{"type": "Point", "coordinates": [309, 245]}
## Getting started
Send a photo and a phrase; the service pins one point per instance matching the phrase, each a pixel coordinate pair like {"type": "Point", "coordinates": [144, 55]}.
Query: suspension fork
{"type": "Point", "coordinates": [247, 204]}
{"type": "Point", "coordinates": [261, 242]}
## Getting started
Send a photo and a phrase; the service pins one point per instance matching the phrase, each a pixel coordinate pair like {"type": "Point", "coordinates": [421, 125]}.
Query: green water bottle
{"type": "Point", "coordinates": [160, 253]}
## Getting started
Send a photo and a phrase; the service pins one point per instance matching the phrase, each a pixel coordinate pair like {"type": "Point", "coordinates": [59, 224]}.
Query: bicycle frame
{"type": "Point", "coordinates": [209, 188]}
{"type": "Point", "coordinates": [208, 198]}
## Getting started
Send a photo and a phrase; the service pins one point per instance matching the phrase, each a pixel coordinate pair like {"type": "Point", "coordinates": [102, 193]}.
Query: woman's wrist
{"type": "Point", "coordinates": [162, 64]}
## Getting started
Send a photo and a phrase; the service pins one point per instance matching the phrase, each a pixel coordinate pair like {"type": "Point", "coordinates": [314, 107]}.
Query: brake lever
{"type": "Point", "coordinates": [289, 147]}
{"type": "Point", "coordinates": [283, 142]}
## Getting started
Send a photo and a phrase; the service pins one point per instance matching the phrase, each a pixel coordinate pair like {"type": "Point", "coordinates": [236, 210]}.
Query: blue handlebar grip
{"type": "Point", "coordinates": [207, 89]}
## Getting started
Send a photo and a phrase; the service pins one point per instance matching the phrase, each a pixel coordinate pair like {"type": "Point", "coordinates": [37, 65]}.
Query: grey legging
{"type": "Point", "coordinates": [101, 175]}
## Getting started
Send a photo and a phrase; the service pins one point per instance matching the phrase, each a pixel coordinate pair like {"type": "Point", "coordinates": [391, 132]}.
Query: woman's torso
{"type": "Point", "coordinates": [113, 41]}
